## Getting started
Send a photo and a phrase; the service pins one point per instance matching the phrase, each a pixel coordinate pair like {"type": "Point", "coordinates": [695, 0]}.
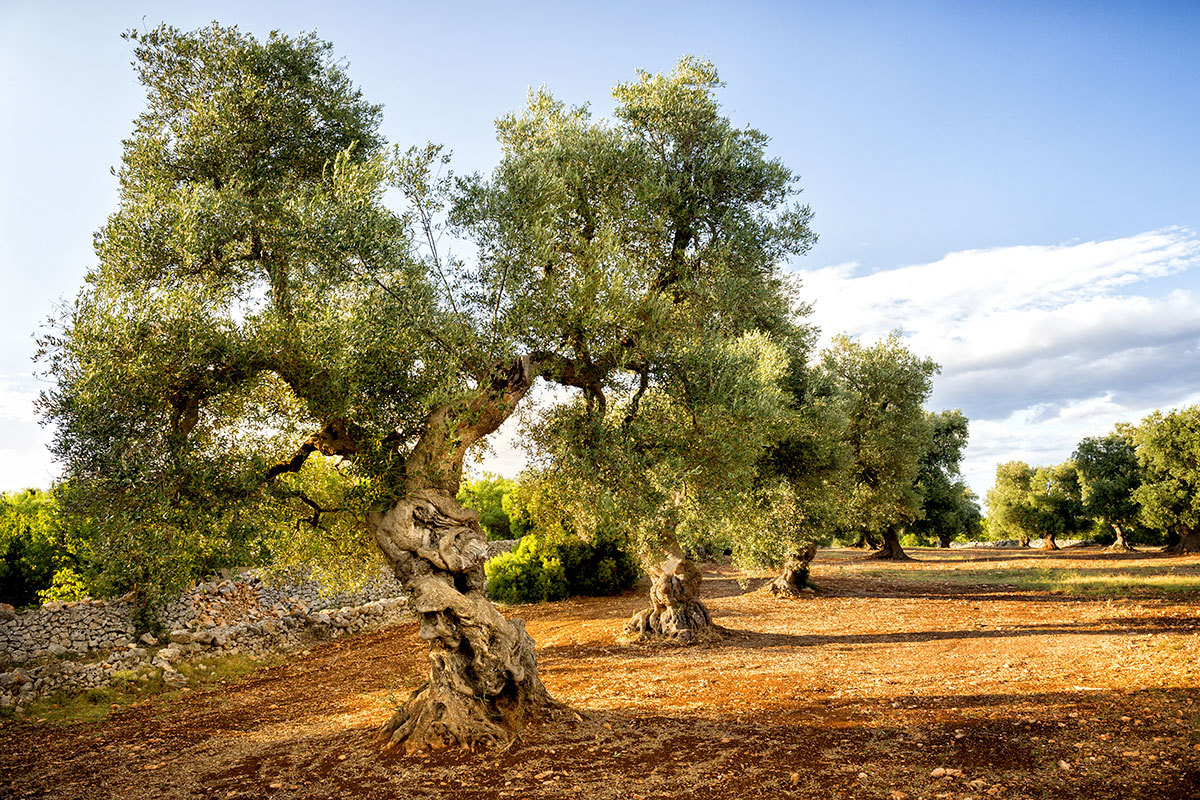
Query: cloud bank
{"type": "Point", "coordinates": [1039, 345]}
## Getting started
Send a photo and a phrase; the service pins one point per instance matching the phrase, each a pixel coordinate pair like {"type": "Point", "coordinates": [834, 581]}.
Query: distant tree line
{"type": "Point", "coordinates": [1136, 485]}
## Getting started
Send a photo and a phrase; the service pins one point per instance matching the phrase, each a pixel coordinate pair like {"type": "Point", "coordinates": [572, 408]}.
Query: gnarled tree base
{"type": "Point", "coordinates": [794, 581]}
{"type": "Point", "coordinates": [438, 716]}
{"type": "Point", "coordinates": [1188, 543]}
{"type": "Point", "coordinates": [483, 679]}
{"type": "Point", "coordinates": [891, 549]}
{"type": "Point", "coordinates": [676, 614]}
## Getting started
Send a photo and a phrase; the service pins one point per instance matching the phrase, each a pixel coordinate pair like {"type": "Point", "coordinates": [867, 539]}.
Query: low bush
{"type": "Point", "coordinates": [555, 567]}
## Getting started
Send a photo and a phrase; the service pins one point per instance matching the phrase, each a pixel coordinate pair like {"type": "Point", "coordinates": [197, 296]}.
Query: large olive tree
{"type": "Point", "coordinates": [259, 322]}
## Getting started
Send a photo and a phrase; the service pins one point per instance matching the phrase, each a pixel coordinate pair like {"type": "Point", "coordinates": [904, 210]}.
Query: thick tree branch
{"type": "Point", "coordinates": [335, 439]}
{"type": "Point", "coordinates": [643, 371]}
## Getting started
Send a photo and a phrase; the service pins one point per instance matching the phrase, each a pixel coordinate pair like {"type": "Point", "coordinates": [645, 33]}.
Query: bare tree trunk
{"type": "Point", "coordinates": [1048, 543]}
{"type": "Point", "coordinates": [793, 581]}
{"type": "Point", "coordinates": [866, 542]}
{"type": "Point", "coordinates": [1189, 542]}
{"type": "Point", "coordinates": [676, 613]}
{"type": "Point", "coordinates": [483, 679]}
{"type": "Point", "coordinates": [1023, 538]}
{"type": "Point", "coordinates": [944, 540]}
{"type": "Point", "coordinates": [891, 550]}
{"type": "Point", "coordinates": [1121, 544]}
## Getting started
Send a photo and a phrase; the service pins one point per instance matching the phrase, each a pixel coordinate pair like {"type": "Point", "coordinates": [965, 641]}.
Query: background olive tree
{"type": "Point", "coordinates": [887, 432]}
{"type": "Point", "coordinates": [1109, 470]}
{"type": "Point", "coordinates": [1168, 449]}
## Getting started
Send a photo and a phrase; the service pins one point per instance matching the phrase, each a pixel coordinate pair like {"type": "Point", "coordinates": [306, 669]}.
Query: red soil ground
{"type": "Point", "coordinates": [867, 690]}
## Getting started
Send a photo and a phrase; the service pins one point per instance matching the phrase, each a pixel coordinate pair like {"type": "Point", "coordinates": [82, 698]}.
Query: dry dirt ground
{"type": "Point", "coordinates": [864, 691]}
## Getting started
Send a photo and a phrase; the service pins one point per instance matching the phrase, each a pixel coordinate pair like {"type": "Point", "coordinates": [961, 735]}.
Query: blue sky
{"type": "Point", "coordinates": [1016, 186]}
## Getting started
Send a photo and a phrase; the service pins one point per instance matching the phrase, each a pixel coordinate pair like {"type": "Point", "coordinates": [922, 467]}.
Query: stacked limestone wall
{"type": "Point", "coordinates": [57, 629]}
{"type": "Point", "coordinates": [84, 644]}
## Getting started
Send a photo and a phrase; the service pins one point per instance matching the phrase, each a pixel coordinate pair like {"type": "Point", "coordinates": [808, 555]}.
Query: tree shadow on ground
{"type": "Point", "coordinates": [795, 747]}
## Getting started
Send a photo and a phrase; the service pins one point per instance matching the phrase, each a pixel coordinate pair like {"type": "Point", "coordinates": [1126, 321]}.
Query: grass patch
{"type": "Point", "coordinates": [126, 687]}
{"type": "Point", "coordinates": [1124, 583]}
{"type": "Point", "coordinates": [221, 669]}
{"type": "Point", "coordinates": [76, 706]}
{"type": "Point", "coordinates": [1069, 581]}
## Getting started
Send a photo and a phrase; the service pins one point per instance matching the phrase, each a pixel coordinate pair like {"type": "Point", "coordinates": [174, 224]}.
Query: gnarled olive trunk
{"type": "Point", "coordinates": [866, 542]}
{"type": "Point", "coordinates": [793, 580]}
{"type": "Point", "coordinates": [676, 613]}
{"type": "Point", "coordinates": [1189, 542]}
{"type": "Point", "coordinates": [1048, 543]}
{"type": "Point", "coordinates": [1121, 544]}
{"type": "Point", "coordinates": [483, 678]}
{"type": "Point", "coordinates": [891, 550]}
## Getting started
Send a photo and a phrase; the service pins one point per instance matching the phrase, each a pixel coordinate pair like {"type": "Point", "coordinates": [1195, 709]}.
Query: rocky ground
{"type": "Point", "coordinates": [935, 679]}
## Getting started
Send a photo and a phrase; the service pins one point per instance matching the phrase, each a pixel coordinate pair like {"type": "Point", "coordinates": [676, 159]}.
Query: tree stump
{"type": "Point", "coordinates": [676, 613]}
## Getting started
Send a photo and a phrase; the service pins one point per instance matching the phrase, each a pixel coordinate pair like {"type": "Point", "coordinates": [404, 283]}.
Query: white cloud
{"type": "Point", "coordinates": [26, 468]}
{"type": "Point", "coordinates": [25, 459]}
{"type": "Point", "coordinates": [1039, 345]}
{"type": "Point", "coordinates": [17, 398]}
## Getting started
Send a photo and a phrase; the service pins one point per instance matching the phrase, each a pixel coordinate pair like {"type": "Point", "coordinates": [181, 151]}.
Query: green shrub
{"type": "Point", "coordinates": [487, 496]}
{"type": "Point", "coordinates": [555, 567]}
{"type": "Point", "coordinates": [42, 554]}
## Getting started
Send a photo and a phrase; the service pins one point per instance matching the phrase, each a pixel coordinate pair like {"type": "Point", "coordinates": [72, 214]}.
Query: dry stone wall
{"type": "Point", "coordinates": [92, 643]}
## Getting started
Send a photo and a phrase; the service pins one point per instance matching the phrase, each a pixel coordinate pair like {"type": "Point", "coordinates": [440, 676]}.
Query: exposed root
{"type": "Point", "coordinates": [887, 553]}
{"type": "Point", "coordinates": [436, 719]}
{"type": "Point", "coordinates": [891, 549]}
{"type": "Point", "coordinates": [791, 584]}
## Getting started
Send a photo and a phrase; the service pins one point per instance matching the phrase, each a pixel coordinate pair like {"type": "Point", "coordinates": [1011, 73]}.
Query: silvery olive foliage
{"type": "Point", "coordinates": [266, 350]}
